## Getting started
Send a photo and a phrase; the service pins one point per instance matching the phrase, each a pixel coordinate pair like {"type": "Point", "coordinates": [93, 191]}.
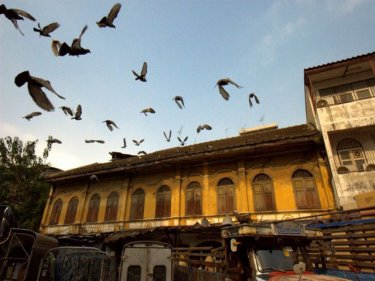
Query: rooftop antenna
{"type": "Point", "coordinates": [180, 131]}
{"type": "Point", "coordinates": [262, 119]}
{"type": "Point", "coordinates": [226, 132]}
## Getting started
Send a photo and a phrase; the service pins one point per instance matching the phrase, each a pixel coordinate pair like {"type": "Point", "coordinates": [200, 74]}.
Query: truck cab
{"type": "Point", "coordinates": [270, 251]}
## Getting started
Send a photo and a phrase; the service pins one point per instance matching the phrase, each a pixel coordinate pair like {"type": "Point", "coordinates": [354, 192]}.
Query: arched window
{"type": "Point", "coordinates": [264, 199]}
{"type": "Point", "coordinates": [56, 211]}
{"type": "Point", "coordinates": [351, 154]}
{"type": "Point", "coordinates": [305, 190]}
{"type": "Point", "coordinates": [137, 204]}
{"type": "Point", "coordinates": [193, 199]}
{"type": "Point", "coordinates": [163, 202]}
{"type": "Point", "coordinates": [93, 211]}
{"type": "Point", "coordinates": [72, 211]}
{"type": "Point", "coordinates": [225, 196]}
{"type": "Point", "coordinates": [111, 207]}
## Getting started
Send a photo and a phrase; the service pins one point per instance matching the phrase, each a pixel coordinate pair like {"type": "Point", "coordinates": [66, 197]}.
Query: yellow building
{"type": "Point", "coordinates": [182, 195]}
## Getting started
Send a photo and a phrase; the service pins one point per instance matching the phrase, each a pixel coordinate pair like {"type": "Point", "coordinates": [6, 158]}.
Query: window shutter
{"type": "Point", "coordinates": [159, 205]}
{"type": "Point", "coordinates": [221, 200]}
{"type": "Point", "coordinates": [197, 201]}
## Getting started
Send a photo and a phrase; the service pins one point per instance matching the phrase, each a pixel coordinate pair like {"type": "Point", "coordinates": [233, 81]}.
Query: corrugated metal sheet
{"type": "Point", "coordinates": [359, 57]}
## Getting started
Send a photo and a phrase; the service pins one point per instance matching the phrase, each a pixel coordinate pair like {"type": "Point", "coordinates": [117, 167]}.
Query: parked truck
{"type": "Point", "coordinates": [146, 261]}
{"type": "Point", "coordinates": [74, 264]}
{"type": "Point", "coordinates": [29, 256]}
{"type": "Point", "coordinates": [270, 251]}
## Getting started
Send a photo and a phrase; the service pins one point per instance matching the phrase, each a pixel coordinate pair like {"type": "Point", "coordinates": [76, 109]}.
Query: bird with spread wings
{"type": "Point", "coordinates": [35, 85]}
{"type": "Point", "coordinates": [108, 20]}
{"type": "Point", "coordinates": [223, 82]}
{"type": "Point", "coordinates": [15, 14]}
{"type": "Point", "coordinates": [142, 76]}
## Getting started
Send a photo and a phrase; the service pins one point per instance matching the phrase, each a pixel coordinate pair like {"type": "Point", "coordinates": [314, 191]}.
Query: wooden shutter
{"type": "Point", "coordinates": [72, 210]}
{"type": "Point", "coordinates": [112, 206]}
{"type": "Point", "coordinates": [56, 211]}
{"type": "Point", "coordinates": [137, 205]}
{"type": "Point", "coordinates": [92, 214]}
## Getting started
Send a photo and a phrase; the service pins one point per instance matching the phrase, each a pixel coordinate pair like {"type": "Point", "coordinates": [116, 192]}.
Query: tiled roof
{"type": "Point", "coordinates": [247, 141]}
{"type": "Point", "coordinates": [355, 58]}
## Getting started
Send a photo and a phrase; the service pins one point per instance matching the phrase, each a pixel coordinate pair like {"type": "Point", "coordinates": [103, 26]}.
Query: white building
{"type": "Point", "coordinates": [340, 101]}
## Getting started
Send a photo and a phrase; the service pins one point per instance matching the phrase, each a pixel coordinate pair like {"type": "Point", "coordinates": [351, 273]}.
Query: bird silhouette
{"type": "Point", "coordinates": [108, 20]}
{"type": "Point", "coordinates": [51, 141]}
{"type": "Point", "coordinates": [34, 86]}
{"type": "Point", "coordinates": [78, 113]}
{"type": "Point", "coordinates": [92, 141]}
{"type": "Point", "coordinates": [223, 82]}
{"type": "Point", "coordinates": [203, 127]}
{"type": "Point", "coordinates": [141, 77]}
{"type": "Point", "coordinates": [137, 143]}
{"type": "Point", "coordinates": [15, 14]}
{"type": "Point", "coordinates": [142, 152]}
{"type": "Point", "coordinates": [179, 101]}
{"type": "Point", "coordinates": [252, 95]}
{"type": "Point", "coordinates": [168, 138]}
{"type": "Point", "coordinates": [32, 115]}
{"type": "Point", "coordinates": [110, 124]}
{"type": "Point", "coordinates": [74, 50]}
{"type": "Point", "coordinates": [45, 31]}
{"type": "Point", "coordinates": [148, 110]}
{"type": "Point", "coordinates": [67, 110]}
{"type": "Point", "coordinates": [124, 141]}
{"type": "Point", "coordinates": [182, 142]}
{"type": "Point", "coordinates": [93, 178]}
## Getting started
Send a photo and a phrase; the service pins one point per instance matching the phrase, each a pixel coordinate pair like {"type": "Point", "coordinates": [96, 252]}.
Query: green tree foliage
{"type": "Point", "coordinates": [21, 183]}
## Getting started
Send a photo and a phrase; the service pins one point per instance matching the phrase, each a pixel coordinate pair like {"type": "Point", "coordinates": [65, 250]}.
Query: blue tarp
{"type": "Point", "coordinates": [347, 274]}
{"type": "Point", "coordinates": [339, 223]}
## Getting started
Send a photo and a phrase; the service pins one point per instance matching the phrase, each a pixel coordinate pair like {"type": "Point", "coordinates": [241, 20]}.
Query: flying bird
{"type": "Point", "coordinates": [92, 141]}
{"type": "Point", "coordinates": [168, 138]}
{"type": "Point", "coordinates": [252, 95]}
{"type": "Point", "coordinates": [223, 82]}
{"type": "Point", "coordinates": [74, 50]}
{"type": "Point", "coordinates": [32, 115]}
{"type": "Point", "coordinates": [148, 110]}
{"type": "Point", "coordinates": [182, 141]}
{"type": "Point", "coordinates": [141, 77]}
{"type": "Point", "coordinates": [179, 101]}
{"type": "Point", "coordinates": [203, 127]}
{"type": "Point", "coordinates": [137, 143]}
{"type": "Point", "coordinates": [108, 20]}
{"type": "Point", "coordinates": [78, 113]}
{"type": "Point", "coordinates": [67, 110]}
{"type": "Point", "coordinates": [110, 124]}
{"type": "Point", "coordinates": [34, 86]}
{"type": "Point", "coordinates": [124, 145]}
{"type": "Point", "coordinates": [51, 141]}
{"type": "Point", "coordinates": [142, 152]}
{"type": "Point", "coordinates": [15, 14]}
{"type": "Point", "coordinates": [45, 31]}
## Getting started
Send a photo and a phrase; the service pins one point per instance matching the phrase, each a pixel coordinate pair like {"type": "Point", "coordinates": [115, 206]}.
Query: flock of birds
{"type": "Point", "coordinates": [35, 84]}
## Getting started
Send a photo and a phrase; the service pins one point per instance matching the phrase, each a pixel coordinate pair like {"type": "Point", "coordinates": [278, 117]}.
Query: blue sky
{"type": "Point", "coordinates": [263, 46]}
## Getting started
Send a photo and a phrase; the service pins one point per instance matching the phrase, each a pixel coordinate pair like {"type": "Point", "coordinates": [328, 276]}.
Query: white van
{"type": "Point", "coordinates": [146, 261]}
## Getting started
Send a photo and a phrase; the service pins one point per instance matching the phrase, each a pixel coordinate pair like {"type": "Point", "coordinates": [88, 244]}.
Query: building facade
{"type": "Point", "coordinates": [182, 195]}
{"type": "Point", "coordinates": [340, 101]}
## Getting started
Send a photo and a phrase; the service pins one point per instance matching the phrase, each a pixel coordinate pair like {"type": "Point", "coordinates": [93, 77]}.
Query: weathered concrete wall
{"type": "Point", "coordinates": [350, 115]}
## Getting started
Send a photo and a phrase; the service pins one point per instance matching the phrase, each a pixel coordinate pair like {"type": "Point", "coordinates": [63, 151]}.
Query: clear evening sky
{"type": "Point", "coordinates": [263, 46]}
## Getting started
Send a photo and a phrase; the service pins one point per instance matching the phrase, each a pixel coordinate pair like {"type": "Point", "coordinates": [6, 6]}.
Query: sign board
{"type": "Point", "coordinates": [289, 228]}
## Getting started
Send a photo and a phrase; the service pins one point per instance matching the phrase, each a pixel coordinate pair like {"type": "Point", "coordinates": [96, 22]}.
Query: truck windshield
{"type": "Point", "coordinates": [279, 259]}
